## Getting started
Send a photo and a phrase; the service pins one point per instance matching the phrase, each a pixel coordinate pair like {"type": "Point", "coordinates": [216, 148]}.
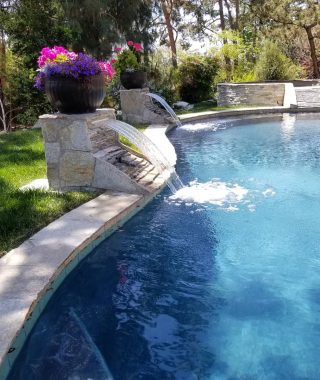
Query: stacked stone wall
{"type": "Point", "coordinates": [253, 94]}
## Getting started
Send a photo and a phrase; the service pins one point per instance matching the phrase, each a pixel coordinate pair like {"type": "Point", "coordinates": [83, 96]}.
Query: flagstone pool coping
{"type": "Point", "coordinates": [30, 273]}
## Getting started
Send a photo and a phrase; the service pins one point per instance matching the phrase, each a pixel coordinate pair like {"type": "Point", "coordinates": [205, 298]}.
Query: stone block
{"type": "Point", "coordinates": [106, 176]}
{"type": "Point", "coordinates": [76, 168]}
{"type": "Point", "coordinates": [50, 131]}
{"type": "Point", "coordinates": [52, 151]}
{"type": "Point", "coordinates": [53, 176]}
{"type": "Point", "coordinates": [135, 106]}
{"type": "Point", "coordinates": [75, 136]}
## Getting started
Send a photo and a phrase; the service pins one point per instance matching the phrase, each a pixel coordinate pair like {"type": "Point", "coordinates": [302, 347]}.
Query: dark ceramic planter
{"type": "Point", "coordinates": [131, 80]}
{"type": "Point", "coordinates": [70, 95]}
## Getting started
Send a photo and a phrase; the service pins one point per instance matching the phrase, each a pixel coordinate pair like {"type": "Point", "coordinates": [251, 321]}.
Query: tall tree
{"type": "Point", "coordinates": [97, 24]}
{"type": "Point", "coordinates": [33, 24]}
{"type": "Point", "coordinates": [302, 14]}
{"type": "Point", "coordinates": [223, 28]}
{"type": "Point", "coordinates": [168, 8]}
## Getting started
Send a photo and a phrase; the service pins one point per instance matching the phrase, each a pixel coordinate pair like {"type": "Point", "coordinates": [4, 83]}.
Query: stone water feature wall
{"type": "Point", "coordinates": [257, 94]}
{"type": "Point", "coordinates": [82, 153]}
{"type": "Point", "coordinates": [136, 107]}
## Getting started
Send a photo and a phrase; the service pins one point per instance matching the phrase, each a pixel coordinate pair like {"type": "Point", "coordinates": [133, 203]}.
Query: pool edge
{"type": "Point", "coordinates": [28, 306]}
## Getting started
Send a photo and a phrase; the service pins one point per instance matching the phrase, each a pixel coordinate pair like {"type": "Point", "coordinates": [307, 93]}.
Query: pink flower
{"type": "Point", "coordinates": [60, 50]}
{"type": "Point", "coordinates": [113, 60]}
{"type": "Point", "coordinates": [107, 69]}
{"type": "Point", "coordinates": [48, 55]}
{"type": "Point", "coordinates": [71, 55]}
{"type": "Point", "coordinates": [137, 47]}
{"type": "Point", "coordinates": [117, 49]}
{"type": "Point", "coordinates": [130, 43]}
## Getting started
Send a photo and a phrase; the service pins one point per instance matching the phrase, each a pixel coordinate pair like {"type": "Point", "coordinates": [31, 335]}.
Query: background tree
{"type": "Point", "coordinates": [302, 15]}
{"type": "Point", "coordinates": [97, 24]}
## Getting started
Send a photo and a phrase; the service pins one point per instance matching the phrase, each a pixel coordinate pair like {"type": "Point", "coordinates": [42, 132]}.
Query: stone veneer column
{"type": "Point", "coordinates": [137, 107]}
{"type": "Point", "coordinates": [72, 146]}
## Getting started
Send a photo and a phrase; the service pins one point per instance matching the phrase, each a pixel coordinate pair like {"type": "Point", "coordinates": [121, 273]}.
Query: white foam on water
{"type": "Point", "coordinates": [194, 127]}
{"type": "Point", "coordinates": [226, 196]}
{"type": "Point", "coordinates": [214, 192]}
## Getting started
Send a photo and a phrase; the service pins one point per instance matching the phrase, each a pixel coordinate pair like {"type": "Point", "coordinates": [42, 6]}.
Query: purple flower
{"type": "Point", "coordinates": [39, 81]}
{"type": "Point", "coordinates": [83, 65]}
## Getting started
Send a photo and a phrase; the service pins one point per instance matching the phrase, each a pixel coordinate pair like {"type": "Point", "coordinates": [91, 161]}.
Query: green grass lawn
{"type": "Point", "coordinates": [23, 213]}
{"type": "Point", "coordinates": [208, 106]}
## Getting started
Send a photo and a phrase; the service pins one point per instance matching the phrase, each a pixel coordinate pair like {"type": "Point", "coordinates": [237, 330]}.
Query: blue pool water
{"type": "Point", "coordinates": [220, 281]}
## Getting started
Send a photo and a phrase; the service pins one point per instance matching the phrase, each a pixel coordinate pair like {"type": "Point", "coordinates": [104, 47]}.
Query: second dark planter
{"type": "Point", "coordinates": [131, 80]}
{"type": "Point", "coordinates": [71, 95]}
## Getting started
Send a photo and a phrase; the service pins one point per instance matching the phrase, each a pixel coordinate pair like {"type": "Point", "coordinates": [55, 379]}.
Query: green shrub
{"type": "Point", "coordinates": [274, 65]}
{"type": "Point", "coordinates": [196, 77]}
{"type": "Point", "coordinates": [163, 80]}
{"type": "Point", "coordinates": [126, 61]}
{"type": "Point", "coordinates": [24, 101]}
{"type": "Point", "coordinates": [242, 53]}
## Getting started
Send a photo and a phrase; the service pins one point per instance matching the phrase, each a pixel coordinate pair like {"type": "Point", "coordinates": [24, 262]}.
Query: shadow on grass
{"type": "Point", "coordinates": [22, 213]}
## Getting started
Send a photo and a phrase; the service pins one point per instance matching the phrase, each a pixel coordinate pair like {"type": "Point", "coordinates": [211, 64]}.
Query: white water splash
{"type": "Point", "coordinates": [212, 125]}
{"type": "Point", "coordinates": [226, 196]}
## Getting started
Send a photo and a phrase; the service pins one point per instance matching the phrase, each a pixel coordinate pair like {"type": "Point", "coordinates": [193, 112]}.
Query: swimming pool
{"type": "Point", "coordinates": [220, 281]}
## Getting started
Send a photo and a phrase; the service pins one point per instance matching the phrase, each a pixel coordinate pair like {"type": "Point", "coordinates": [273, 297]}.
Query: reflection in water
{"type": "Point", "coordinates": [287, 125]}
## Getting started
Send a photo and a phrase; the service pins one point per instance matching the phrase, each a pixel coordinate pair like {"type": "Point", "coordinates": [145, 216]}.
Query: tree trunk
{"type": "Point", "coordinates": [313, 52]}
{"type": "Point", "coordinates": [231, 19]}
{"type": "Point", "coordinates": [3, 63]}
{"type": "Point", "coordinates": [3, 70]}
{"type": "Point", "coordinates": [172, 41]}
{"type": "Point", "coordinates": [225, 41]}
{"type": "Point", "coordinates": [237, 14]}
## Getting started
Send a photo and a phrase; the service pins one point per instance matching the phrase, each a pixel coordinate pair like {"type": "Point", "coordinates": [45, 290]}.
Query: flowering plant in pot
{"type": "Point", "coordinates": [73, 83]}
{"type": "Point", "coordinates": [129, 66]}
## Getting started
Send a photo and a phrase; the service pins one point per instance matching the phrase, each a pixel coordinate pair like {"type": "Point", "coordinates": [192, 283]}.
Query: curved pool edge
{"type": "Point", "coordinates": [200, 116]}
{"type": "Point", "coordinates": [30, 273]}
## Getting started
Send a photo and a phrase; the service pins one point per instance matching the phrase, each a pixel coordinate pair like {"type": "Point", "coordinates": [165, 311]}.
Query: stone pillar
{"type": "Point", "coordinates": [76, 149]}
{"type": "Point", "coordinates": [70, 142]}
{"type": "Point", "coordinates": [138, 108]}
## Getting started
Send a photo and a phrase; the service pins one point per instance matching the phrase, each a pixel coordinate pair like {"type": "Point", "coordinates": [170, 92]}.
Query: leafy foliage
{"type": "Point", "coordinates": [196, 77]}
{"type": "Point", "coordinates": [242, 54]}
{"type": "Point", "coordinates": [22, 100]}
{"type": "Point", "coordinates": [162, 76]}
{"type": "Point", "coordinates": [126, 61]}
{"type": "Point", "coordinates": [274, 65]}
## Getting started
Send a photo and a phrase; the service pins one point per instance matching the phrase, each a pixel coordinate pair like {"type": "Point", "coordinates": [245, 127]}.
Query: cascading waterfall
{"type": "Point", "coordinates": [163, 102]}
{"type": "Point", "coordinates": [149, 150]}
